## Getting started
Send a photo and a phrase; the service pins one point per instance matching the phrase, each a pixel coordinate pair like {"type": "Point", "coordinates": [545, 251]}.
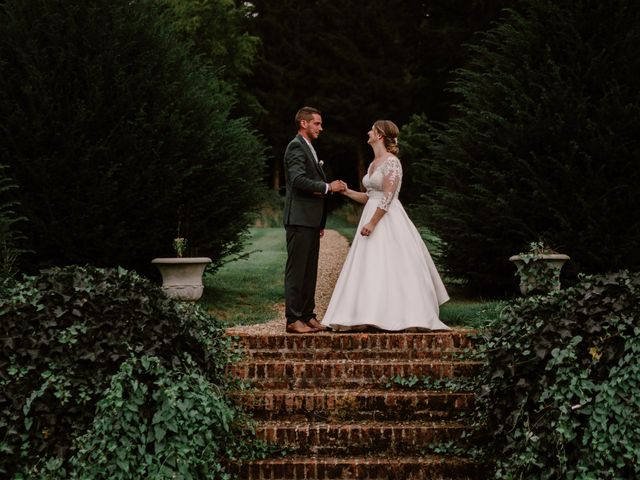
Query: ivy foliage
{"type": "Point", "coordinates": [560, 392]}
{"type": "Point", "coordinates": [79, 338]}
{"type": "Point", "coordinates": [176, 424]}
{"type": "Point", "coordinates": [462, 384]}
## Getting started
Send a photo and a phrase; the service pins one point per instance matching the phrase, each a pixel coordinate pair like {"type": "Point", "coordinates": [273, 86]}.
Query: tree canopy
{"type": "Point", "coordinates": [118, 138]}
{"type": "Point", "coordinates": [217, 32]}
{"type": "Point", "coordinates": [545, 145]}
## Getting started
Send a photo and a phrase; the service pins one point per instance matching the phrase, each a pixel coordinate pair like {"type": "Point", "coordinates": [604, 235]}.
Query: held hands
{"type": "Point", "coordinates": [337, 186]}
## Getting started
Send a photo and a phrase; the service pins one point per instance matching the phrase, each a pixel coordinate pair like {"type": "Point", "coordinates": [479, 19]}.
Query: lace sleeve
{"type": "Point", "coordinates": [392, 178]}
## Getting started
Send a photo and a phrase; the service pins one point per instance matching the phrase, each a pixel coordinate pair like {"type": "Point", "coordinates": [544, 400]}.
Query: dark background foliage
{"type": "Point", "coordinates": [115, 135]}
{"type": "Point", "coordinates": [559, 394]}
{"type": "Point", "coordinates": [65, 332]}
{"type": "Point", "coordinates": [216, 31]}
{"type": "Point", "coordinates": [546, 144]}
{"type": "Point", "coordinates": [357, 62]}
{"type": "Point", "coordinates": [10, 236]}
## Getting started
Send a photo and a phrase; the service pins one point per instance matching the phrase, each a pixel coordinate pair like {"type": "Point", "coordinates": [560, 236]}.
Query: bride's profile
{"type": "Point", "coordinates": [388, 280]}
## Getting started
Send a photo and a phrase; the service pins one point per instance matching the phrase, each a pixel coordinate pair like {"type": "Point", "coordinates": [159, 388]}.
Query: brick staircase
{"type": "Point", "coordinates": [325, 399]}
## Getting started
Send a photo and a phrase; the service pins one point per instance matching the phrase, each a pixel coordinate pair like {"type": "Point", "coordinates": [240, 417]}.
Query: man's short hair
{"type": "Point", "coordinates": [305, 113]}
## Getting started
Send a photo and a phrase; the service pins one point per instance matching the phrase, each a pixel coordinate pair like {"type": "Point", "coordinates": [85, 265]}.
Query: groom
{"type": "Point", "coordinates": [304, 219]}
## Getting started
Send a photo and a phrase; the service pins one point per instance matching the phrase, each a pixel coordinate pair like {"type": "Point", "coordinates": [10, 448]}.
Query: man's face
{"type": "Point", "coordinates": [313, 127]}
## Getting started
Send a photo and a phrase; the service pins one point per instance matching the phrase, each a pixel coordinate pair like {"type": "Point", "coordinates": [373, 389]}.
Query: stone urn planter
{"type": "Point", "coordinates": [539, 269]}
{"type": "Point", "coordinates": [182, 276]}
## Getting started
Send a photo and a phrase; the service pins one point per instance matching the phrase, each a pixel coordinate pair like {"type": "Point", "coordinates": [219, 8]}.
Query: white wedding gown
{"type": "Point", "coordinates": [388, 280]}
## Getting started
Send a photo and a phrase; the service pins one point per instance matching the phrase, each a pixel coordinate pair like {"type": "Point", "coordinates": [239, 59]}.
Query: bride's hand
{"type": "Point", "coordinates": [367, 229]}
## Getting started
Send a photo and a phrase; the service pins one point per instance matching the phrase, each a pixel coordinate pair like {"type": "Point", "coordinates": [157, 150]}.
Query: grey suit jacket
{"type": "Point", "coordinates": [306, 184]}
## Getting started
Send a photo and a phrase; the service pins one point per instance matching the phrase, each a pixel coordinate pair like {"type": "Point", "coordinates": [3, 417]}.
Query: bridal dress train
{"type": "Point", "coordinates": [388, 280]}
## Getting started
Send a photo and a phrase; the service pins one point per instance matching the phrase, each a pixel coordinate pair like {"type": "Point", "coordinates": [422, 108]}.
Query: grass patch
{"type": "Point", "coordinates": [244, 291]}
{"type": "Point", "coordinates": [470, 313]}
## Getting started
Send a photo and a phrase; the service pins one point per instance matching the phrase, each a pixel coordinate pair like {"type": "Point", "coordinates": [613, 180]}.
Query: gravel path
{"type": "Point", "coordinates": [333, 252]}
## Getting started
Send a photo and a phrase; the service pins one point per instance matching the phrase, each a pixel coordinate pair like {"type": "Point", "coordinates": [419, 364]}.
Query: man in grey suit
{"type": "Point", "coordinates": [304, 220]}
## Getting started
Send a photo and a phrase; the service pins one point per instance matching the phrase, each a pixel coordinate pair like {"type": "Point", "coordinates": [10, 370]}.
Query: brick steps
{"type": "Point", "coordinates": [355, 346]}
{"type": "Point", "coordinates": [329, 400]}
{"type": "Point", "coordinates": [364, 404]}
{"type": "Point", "coordinates": [353, 355]}
{"type": "Point", "coordinates": [345, 373]}
{"type": "Point", "coordinates": [360, 468]}
{"type": "Point", "coordinates": [361, 438]}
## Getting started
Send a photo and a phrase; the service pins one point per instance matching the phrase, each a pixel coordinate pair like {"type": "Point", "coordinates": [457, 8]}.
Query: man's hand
{"type": "Point", "coordinates": [337, 186]}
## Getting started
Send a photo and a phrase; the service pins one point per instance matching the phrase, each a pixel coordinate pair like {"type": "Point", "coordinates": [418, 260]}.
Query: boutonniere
{"type": "Point", "coordinates": [320, 162]}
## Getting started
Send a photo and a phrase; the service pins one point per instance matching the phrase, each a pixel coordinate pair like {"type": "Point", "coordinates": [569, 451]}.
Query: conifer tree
{"type": "Point", "coordinates": [545, 145]}
{"type": "Point", "coordinates": [117, 137]}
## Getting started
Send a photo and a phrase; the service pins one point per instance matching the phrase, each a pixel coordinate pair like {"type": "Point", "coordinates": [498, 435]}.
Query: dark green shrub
{"type": "Point", "coordinates": [116, 135]}
{"type": "Point", "coordinates": [216, 30]}
{"type": "Point", "coordinates": [66, 332]}
{"type": "Point", "coordinates": [546, 144]}
{"type": "Point", "coordinates": [10, 237]}
{"type": "Point", "coordinates": [560, 392]}
{"type": "Point", "coordinates": [416, 140]}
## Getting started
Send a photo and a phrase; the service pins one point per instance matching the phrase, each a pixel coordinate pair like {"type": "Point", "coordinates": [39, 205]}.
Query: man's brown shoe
{"type": "Point", "coordinates": [299, 327]}
{"type": "Point", "coordinates": [317, 326]}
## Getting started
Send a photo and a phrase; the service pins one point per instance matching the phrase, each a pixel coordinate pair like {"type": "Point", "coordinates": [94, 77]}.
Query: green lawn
{"type": "Point", "coordinates": [243, 292]}
{"type": "Point", "coordinates": [460, 312]}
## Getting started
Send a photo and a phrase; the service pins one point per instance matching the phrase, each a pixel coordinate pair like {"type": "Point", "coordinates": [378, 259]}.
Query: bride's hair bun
{"type": "Point", "coordinates": [389, 132]}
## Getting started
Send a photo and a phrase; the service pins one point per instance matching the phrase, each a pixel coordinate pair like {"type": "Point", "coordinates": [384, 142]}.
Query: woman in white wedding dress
{"type": "Point", "coordinates": [388, 280]}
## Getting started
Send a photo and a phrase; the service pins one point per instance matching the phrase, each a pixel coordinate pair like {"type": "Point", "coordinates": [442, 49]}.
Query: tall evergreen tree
{"type": "Point", "coordinates": [116, 135]}
{"type": "Point", "coordinates": [217, 31]}
{"type": "Point", "coordinates": [546, 143]}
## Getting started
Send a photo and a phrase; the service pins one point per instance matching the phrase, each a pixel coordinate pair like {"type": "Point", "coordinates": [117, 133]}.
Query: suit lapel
{"type": "Point", "coordinates": [320, 170]}
{"type": "Point", "coordinates": [307, 150]}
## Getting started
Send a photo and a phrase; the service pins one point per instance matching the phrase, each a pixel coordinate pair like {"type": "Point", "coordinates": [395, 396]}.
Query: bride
{"type": "Point", "coordinates": [388, 280]}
